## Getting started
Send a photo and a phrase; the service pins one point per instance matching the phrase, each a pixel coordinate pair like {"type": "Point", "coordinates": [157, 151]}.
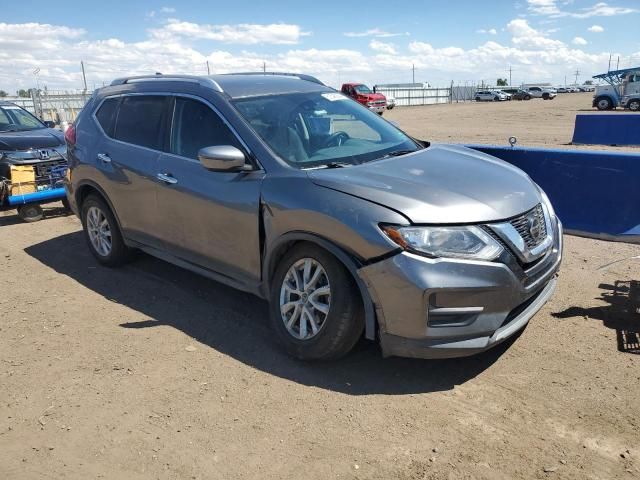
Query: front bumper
{"type": "Point", "coordinates": [377, 108]}
{"type": "Point", "coordinates": [442, 308]}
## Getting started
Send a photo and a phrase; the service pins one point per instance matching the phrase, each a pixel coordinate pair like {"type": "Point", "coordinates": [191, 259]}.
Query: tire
{"type": "Point", "coordinates": [634, 105]}
{"type": "Point", "coordinates": [478, 99]}
{"type": "Point", "coordinates": [604, 103]}
{"type": "Point", "coordinates": [527, 97]}
{"type": "Point", "coordinates": [545, 96]}
{"type": "Point", "coordinates": [31, 213]}
{"type": "Point", "coordinates": [496, 99]}
{"type": "Point", "coordinates": [65, 205]}
{"type": "Point", "coordinates": [94, 212]}
{"type": "Point", "coordinates": [338, 329]}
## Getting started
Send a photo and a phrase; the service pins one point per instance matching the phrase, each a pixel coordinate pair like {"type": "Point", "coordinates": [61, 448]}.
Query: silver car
{"type": "Point", "coordinates": [283, 187]}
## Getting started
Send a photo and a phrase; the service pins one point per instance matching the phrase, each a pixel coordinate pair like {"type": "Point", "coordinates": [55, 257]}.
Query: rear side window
{"type": "Point", "coordinates": [141, 120]}
{"type": "Point", "coordinates": [106, 115]}
{"type": "Point", "coordinates": [195, 126]}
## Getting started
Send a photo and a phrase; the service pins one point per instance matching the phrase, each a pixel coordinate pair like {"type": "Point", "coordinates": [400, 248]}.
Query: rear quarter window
{"type": "Point", "coordinates": [106, 115]}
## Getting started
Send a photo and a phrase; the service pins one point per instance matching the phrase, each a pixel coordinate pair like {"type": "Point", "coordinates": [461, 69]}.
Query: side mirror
{"type": "Point", "coordinates": [49, 124]}
{"type": "Point", "coordinates": [222, 158]}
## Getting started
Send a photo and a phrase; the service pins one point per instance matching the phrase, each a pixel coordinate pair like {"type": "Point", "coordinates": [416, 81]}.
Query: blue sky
{"type": "Point", "coordinates": [373, 41]}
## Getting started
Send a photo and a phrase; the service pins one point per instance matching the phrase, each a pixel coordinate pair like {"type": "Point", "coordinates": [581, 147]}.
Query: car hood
{"type": "Point", "coordinates": [41, 138]}
{"type": "Point", "coordinates": [442, 184]}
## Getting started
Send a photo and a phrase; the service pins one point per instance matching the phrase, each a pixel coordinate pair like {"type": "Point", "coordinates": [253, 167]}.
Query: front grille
{"type": "Point", "coordinates": [523, 225]}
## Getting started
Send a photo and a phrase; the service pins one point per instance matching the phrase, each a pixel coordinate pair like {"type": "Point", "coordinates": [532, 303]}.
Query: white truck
{"type": "Point", "coordinates": [622, 90]}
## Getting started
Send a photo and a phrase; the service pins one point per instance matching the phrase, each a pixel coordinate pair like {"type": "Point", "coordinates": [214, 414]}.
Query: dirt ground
{"type": "Point", "coordinates": [150, 371]}
{"type": "Point", "coordinates": [534, 123]}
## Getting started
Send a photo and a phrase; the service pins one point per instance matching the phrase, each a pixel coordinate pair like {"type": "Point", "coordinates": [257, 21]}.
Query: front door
{"type": "Point", "coordinates": [208, 218]}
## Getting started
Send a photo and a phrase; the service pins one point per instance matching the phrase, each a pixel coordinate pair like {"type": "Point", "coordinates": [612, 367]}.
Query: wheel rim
{"type": "Point", "coordinates": [305, 299]}
{"type": "Point", "coordinates": [99, 231]}
{"type": "Point", "coordinates": [603, 104]}
{"type": "Point", "coordinates": [634, 106]}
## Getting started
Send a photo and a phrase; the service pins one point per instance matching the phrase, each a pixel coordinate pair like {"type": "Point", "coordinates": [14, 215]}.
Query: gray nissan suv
{"type": "Point", "coordinates": [283, 187]}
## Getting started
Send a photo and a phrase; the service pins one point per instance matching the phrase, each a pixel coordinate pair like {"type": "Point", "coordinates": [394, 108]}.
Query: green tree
{"type": "Point", "coordinates": [23, 93]}
{"type": "Point", "coordinates": [502, 82]}
{"type": "Point", "coordinates": [3, 94]}
{"type": "Point", "coordinates": [589, 82]}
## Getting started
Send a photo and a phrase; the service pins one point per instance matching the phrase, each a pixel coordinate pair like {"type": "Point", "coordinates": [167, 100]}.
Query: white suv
{"type": "Point", "coordinates": [544, 93]}
{"type": "Point", "coordinates": [491, 96]}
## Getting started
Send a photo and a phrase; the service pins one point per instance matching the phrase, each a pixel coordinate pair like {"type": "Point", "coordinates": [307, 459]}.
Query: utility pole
{"type": "Point", "coordinates": [264, 67]}
{"type": "Point", "coordinates": [618, 66]}
{"type": "Point", "coordinates": [577, 73]}
{"type": "Point", "coordinates": [208, 71]}
{"type": "Point", "coordinates": [510, 70]}
{"type": "Point", "coordinates": [609, 69]}
{"type": "Point", "coordinates": [84, 77]}
{"type": "Point", "coordinates": [413, 72]}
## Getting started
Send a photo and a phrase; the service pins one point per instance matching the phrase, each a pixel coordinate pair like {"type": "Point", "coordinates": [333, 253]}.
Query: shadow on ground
{"type": "Point", "coordinates": [622, 313]}
{"type": "Point", "coordinates": [53, 211]}
{"type": "Point", "coordinates": [236, 324]}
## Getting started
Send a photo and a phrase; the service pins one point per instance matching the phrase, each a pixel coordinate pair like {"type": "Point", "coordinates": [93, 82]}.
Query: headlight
{"type": "Point", "coordinates": [453, 242]}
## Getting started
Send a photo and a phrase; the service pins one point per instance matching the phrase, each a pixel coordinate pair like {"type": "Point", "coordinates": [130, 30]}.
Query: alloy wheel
{"type": "Point", "coordinates": [305, 299]}
{"type": "Point", "coordinates": [99, 231]}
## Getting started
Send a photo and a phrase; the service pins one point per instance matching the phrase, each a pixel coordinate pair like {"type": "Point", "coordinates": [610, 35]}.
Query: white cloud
{"type": "Point", "coordinates": [375, 32]}
{"type": "Point", "coordinates": [595, 29]}
{"type": "Point", "coordinates": [579, 41]}
{"type": "Point", "coordinates": [382, 47]}
{"type": "Point", "coordinates": [57, 51]}
{"type": "Point", "coordinates": [491, 31]}
{"type": "Point", "coordinates": [247, 34]}
{"type": "Point", "coordinates": [552, 9]}
{"type": "Point", "coordinates": [167, 10]}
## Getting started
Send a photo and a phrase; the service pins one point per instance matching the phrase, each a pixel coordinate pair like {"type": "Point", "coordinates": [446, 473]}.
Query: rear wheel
{"type": "Point", "coordinates": [604, 103]}
{"type": "Point", "coordinates": [30, 213]}
{"type": "Point", "coordinates": [102, 232]}
{"type": "Point", "coordinates": [527, 97]}
{"type": "Point", "coordinates": [634, 105]}
{"type": "Point", "coordinates": [496, 99]}
{"type": "Point", "coordinates": [316, 309]}
{"type": "Point", "coordinates": [478, 99]}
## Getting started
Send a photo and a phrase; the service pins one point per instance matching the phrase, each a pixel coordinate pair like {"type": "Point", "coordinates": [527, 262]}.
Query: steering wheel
{"type": "Point", "coordinates": [337, 138]}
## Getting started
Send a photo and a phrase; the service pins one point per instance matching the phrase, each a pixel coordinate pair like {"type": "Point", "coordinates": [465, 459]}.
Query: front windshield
{"type": "Point", "coordinates": [322, 128]}
{"type": "Point", "coordinates": [16, 119]}
{"type": "Point", "coordinates": [362, 89]}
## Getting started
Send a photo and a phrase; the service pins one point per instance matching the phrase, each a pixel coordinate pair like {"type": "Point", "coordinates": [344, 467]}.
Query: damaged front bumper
{"type": "Point", "coordinates": [442, 308]}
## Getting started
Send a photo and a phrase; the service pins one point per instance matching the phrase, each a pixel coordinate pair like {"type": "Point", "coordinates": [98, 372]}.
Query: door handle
{"type": "Point", "coordinates": [104, 158]}
{"type": "Point", "coordinates": [167, 178]}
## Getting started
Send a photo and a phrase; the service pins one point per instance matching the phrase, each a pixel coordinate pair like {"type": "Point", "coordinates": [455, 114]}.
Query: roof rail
{"type": "Point", "coordinates": [301, 76]}
{"type": "Point", "coordinates": [204, 81]}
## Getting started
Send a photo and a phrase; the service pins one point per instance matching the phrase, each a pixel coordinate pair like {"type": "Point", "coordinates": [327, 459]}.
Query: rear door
{"type": "Point", "coordinates": [127, 155]}
{"type": "Point", "coordinates": [205, 217]}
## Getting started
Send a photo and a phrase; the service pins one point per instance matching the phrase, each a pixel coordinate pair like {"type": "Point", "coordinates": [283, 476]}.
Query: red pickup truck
{"type": "Point", "coordinates": [363, 95]}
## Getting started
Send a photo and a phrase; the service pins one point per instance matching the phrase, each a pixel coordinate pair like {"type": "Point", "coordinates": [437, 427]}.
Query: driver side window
{"type": "Point", "coordinates": [195, 126]}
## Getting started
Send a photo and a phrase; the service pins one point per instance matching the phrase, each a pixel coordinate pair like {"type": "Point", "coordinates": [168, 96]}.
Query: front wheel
{"type": "Point", "coordinates": [477, 99]}
{"type": "Point", "coordinates": [315, 306]}
{"type": "Point", "coordinates": [102, 233]}
{"type": "Point", "coordinates": [604, 103]}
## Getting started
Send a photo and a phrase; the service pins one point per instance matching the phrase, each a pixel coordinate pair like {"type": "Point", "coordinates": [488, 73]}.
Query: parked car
{"type": "Point", "coordinates": [542, 92]}
{"type": "Point", "coordinates": [521, 95]}
{"type": "Point", "coordinates": [507, 94]}
{"type": "Point", "coordinates": [283, 187]}
{"type": "Point", "coordinates": [364, 96]}
{"type": "Point", "coordinates": [631, 102]}
{"type": "Point", "coordinates": [562, 90]}
{"type": "Point", "coordinates": [490, 96]}
{"type": "Point", "coordinates": [32, 161]}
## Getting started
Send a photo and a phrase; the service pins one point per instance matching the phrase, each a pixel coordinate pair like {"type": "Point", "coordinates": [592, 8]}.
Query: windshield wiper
{"type": "Point", "coordinates": [397, 153]}
{"type": "Point", "coordinates": [331, 165]}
